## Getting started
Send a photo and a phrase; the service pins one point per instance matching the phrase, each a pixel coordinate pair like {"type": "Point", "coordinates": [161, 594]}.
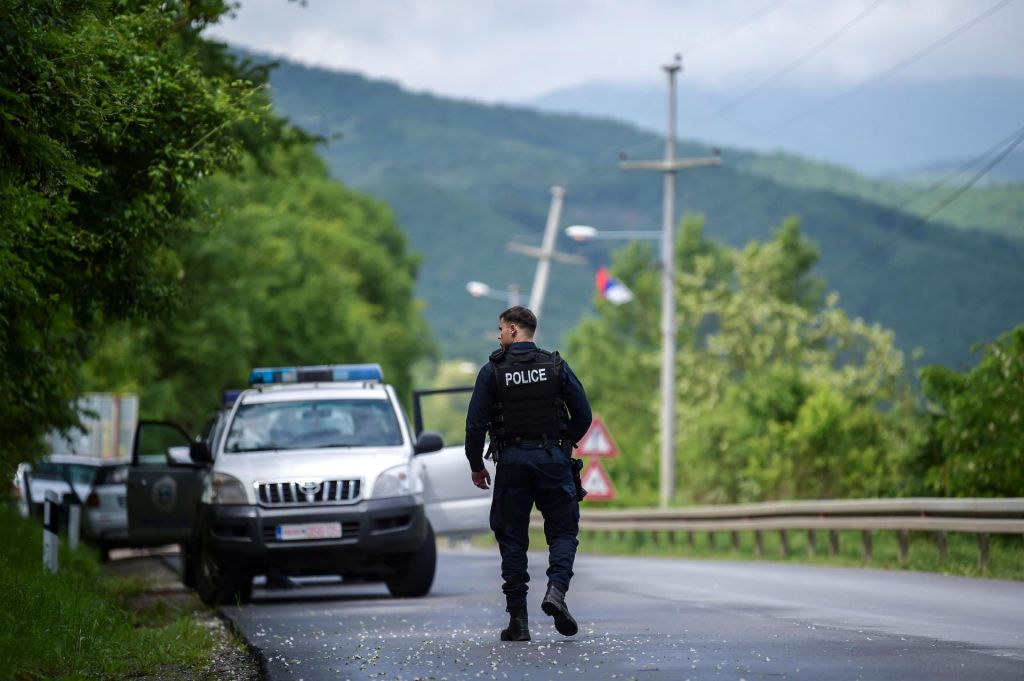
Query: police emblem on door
{"type": "Point", "coordinates": [165, 493]}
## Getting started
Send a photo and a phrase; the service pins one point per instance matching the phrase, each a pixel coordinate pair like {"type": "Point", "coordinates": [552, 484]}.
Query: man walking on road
{"type": "Point", "coordinates": [536, 410]}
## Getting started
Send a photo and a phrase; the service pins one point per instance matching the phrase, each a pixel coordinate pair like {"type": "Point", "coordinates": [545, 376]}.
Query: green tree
{"type": "Point", "coordinates": [779, 393]}
{"type": "Point", "coordinates": [977, 424]}
{"type": "Point", "coordinates": [109, 123]}
{"type": "Point", "coordinates": [297, 270]}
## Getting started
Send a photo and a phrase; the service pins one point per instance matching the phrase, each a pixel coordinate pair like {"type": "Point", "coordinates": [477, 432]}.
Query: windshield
{"type": "Point", "coordinates": [313, 424]}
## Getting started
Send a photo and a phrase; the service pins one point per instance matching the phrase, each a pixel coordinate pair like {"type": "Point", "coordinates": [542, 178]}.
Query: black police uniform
{"type": "Point", "coordinates": [536, 410]}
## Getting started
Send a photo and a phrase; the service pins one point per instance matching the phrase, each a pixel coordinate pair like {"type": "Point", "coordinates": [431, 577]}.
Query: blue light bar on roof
{"type": "Point", "coordinates": [324, 373]}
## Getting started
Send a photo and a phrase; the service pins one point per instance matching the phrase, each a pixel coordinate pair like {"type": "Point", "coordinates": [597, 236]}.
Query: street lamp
{"type": "Point", "coordinates": [478, 289]}
{"type": "Point", "coordinates": [588, 233]}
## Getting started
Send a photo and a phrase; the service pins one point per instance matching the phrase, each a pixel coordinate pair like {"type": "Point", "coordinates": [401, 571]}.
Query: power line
{"type": "Point", "coordinates": [952, 35]}
{"type": "Point", "coordinates": [1004, 149]}
{"type": "Point", "coordinates": [732, 28]}
{"type": "Point", "coordinates": [964, 167]}
{"type": "Point", "coordinates": [796, 63]}
{"type": "Point", "coordinates": [977, 176]}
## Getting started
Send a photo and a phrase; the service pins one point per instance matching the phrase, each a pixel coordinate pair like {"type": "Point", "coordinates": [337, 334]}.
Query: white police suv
{"type": "Point", "coordinates": [313, 470]}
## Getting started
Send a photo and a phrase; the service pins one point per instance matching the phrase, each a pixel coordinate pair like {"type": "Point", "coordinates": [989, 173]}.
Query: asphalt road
{"type": "Point", "coordinates": [650, 620]}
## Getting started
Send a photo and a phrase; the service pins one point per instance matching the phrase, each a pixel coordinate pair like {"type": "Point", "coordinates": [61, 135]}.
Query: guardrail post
{"type": "Point", "coordinates": [812, 543]}
{"type": "Point", "coordinates": [941, 544]}
{"type": "Point", "coordinates": [655, 537]}
{"type": "Point", "coordinates": [672, 538]}
{"type": "Point", "coordinates": [735, 540]}
{"type": "Point", "coordinates": [74, 525]}
{"type": "Point", "coordinates": [689, 538]}
{"type": "Point", "coordinates": [833, 540]}
{"type": "Point", "coordinates": [758, 543]}
{"type": "Point", "coordinates": [784, 543]}
{"type": "Point", "coordinates": [867, 545]}
{"type": "Point", "coordinates": [904, 541]}
{"type": "Point", "coordinates": [711, 540]}
{"type": "Point", "coordinates": [51, 543]}
{"type": "Point", "coordinates": [982, 551]}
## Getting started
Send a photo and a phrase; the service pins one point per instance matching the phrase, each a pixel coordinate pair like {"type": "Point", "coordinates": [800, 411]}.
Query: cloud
{"type": "Point", "coordinates": [512, 51]}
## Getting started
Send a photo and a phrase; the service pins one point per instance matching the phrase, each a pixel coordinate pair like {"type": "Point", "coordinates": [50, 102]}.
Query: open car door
{"type": "Point", "coordinates": [164, 486]}
{"type": "Point", "coordinates": [454, 505]}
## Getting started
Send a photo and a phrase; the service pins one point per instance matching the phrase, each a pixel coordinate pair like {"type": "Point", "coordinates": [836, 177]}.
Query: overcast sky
{"type": "Point", "coordinates": [514, 50]}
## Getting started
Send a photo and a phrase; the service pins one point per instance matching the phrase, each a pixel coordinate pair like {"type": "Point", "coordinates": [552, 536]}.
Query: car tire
{"type": "Point", "coordinates": [217, 585]}
{"type": "Point", "coordinates": [188, 564]}
{"type": "Point", "coordinates": [414, 577]}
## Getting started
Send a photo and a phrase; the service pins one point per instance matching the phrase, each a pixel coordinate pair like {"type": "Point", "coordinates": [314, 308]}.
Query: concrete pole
{"type": "Point", "coordinates": [669, 165]}
{"type": "Point", "coordinates": [547, 250]}
{"type": "Point", "coordinates": [668, 301]}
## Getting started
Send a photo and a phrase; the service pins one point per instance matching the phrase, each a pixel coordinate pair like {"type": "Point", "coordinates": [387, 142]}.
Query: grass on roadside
{"type": "Point", "coordinates": [1006, 552]}
{"type": "Point", "coordinates": [75, 624]}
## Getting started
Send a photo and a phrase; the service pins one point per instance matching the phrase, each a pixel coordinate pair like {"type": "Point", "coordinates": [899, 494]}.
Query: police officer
{"type": "Point", "coordinates": [536, 410]}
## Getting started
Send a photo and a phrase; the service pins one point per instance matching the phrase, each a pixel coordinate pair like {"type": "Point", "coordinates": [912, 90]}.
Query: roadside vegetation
{"type": "Point", "coordinates": [781, 395]}
{"type": "Point", "coordinates": [78, 624]}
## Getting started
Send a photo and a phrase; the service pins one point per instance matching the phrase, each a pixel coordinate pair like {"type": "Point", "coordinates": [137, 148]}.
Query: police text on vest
{"type": "Point", "coordinates": [526, 376]}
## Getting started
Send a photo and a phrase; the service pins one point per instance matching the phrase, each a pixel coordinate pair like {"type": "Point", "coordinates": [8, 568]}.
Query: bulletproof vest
{"type": "Point", "coordinates": [529, 405]}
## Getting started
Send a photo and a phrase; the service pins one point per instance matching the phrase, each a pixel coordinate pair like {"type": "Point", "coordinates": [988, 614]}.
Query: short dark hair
{"type": "Point", "coordinates": [520, 316]}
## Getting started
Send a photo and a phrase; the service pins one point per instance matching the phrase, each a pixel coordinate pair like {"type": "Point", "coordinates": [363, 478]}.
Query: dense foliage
{"type": "Point", "coordinates": [780, 395]}
{"type": "Point", "coordinates": [162, 223]}
{"type": "Point", "coordinates": [977, 430]}
{"type": "Point", "coordinates": [297, 270]}
{"type": "Point", "coordinates": [109, 122]}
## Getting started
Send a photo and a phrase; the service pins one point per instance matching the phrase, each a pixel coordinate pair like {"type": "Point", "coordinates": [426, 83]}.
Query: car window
{"type": "Point", "coordinates": [76, 473]}
{"type": "Point", "coordinates": [112, 475]}
{"type": "Point", "coordinates": [154, 440]}
{"type": "Point", "coordinates": [313, 424]}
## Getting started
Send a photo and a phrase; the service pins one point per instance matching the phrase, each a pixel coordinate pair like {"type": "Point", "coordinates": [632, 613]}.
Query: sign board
{"type": "Point", "coordinates": [597, 483]}
{"type": "Point", "coordinates": [597, 441]}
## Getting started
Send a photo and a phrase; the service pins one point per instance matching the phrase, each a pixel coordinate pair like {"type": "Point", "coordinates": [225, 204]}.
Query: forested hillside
{"type": "Point", "coordinates": [464, 178]}
{"type": "Point", "coordinates": [987, 206]}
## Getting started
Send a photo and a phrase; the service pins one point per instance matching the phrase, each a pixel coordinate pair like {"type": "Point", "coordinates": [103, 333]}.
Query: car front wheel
{"type": "Point", "coordinates": [215, 584]}
{"type": "Point", "coordinates": [414, 576]}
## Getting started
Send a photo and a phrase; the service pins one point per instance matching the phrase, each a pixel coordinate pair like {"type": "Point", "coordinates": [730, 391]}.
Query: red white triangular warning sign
{"type": "Point", "coordinates": [597, 483]}
{"type": "Point", "coordinates": [597, 441]}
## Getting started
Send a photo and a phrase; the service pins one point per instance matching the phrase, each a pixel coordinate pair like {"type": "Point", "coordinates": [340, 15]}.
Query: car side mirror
{"type": "Point", "coordinates": [429, 441]}
{"type": "Point", "coordinates": [199, 452]}
{"type": "Point", "coordinates": [180, 456]}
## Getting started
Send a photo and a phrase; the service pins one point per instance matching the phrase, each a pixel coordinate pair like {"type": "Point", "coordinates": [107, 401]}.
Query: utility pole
{"type": "Point", "coordinates": [669, 165]}
{"type": "Point", "coordinates": [546, 253]}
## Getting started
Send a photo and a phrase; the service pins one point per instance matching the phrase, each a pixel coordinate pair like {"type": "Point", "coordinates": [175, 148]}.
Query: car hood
{"type": "Point", "coordinates": [297, 465]}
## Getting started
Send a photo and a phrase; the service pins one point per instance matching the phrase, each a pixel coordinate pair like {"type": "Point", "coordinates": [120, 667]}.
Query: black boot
{"type": "Point", "coordinates": [518, 627]}
{"type": "Point", "coordinates": [554, 605]}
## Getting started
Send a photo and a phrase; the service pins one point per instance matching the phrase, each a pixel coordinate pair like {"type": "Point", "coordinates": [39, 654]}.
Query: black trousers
{"type": "Point", "coordinates": [529, 474]}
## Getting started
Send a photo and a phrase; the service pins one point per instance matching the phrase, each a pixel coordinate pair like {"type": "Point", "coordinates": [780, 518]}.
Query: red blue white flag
{"type": "Point", "coordinates": [611, 289]}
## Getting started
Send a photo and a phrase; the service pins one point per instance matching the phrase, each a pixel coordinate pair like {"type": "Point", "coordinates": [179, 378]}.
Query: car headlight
{"type": "Point", "coordinates": [226, 489]}
{"type": "Point", "coordinates": [397, 481]}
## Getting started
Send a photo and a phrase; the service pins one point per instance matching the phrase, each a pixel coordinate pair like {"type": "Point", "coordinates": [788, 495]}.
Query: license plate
{"type": "Point", "coordinates": [309, 531]}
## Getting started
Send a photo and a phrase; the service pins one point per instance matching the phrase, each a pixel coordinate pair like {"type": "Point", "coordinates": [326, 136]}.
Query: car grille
{"type": "Point", "coordinates": [303, 493]}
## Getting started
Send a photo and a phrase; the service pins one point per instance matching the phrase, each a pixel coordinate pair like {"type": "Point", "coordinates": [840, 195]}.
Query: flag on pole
{"type": "Point", "coordinates": [611, 289]}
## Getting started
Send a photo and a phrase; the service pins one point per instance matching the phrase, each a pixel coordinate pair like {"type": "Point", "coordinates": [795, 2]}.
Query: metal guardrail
{"type": "Point", "coordinates": [982, 517]}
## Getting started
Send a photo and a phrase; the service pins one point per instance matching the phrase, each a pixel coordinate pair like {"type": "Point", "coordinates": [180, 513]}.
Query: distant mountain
{"type": "Point", "coordinates": [465, 178]}
{"type": "Point", "coordinates": [883, 129]}
{"type": "Point", "coordinates": [987, 206]}
{"type": "Point", "coordinates": [1009, 170]}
